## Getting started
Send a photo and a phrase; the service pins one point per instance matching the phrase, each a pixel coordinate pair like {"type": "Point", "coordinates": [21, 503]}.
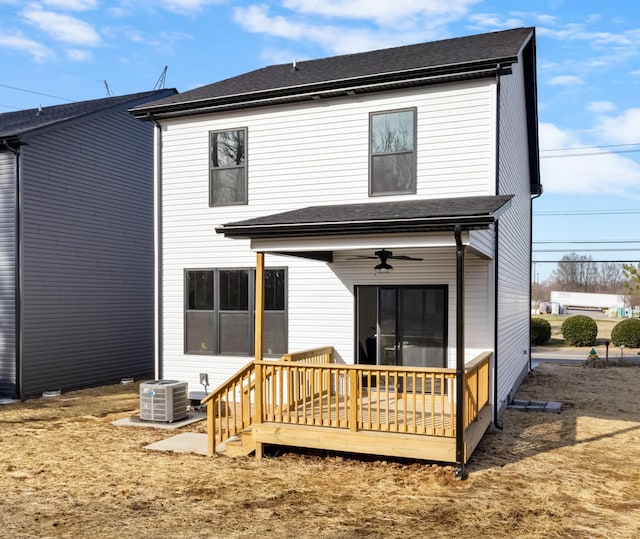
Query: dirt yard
{"type": "Point", "coordinates": [66, 471]}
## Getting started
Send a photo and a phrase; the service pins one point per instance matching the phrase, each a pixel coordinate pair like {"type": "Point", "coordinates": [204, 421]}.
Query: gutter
{"type": "Point", "coordinates": [496, 308]}
{"type": "Point", "coordinates": [354, 227]}
{"type": "Point", "coordinates": [460, 395]}
{"type": "Point", "coordinates": [14, 147]}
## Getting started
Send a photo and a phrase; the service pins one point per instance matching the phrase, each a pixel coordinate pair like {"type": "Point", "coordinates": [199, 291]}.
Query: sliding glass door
{"type": "Point", "coordinates": [402, 325]}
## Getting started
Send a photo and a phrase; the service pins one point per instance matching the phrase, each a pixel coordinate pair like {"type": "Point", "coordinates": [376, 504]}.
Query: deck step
{"type": "Point", "coordinates": [238, 446]}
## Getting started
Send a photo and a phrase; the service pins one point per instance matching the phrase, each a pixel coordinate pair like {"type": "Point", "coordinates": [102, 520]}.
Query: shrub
{"type": "Point", "coordinates": [579, 330]}
{"type": "Point", "coordinates": [540, 331]}
{"type": "Point", "coordinates": [626, 332]}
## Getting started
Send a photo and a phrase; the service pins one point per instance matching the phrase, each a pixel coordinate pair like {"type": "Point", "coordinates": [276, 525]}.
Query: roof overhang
{"type": "Point", "coordinates": [328, 89]}
{"type": "Point", "coordinates": [374, 218]}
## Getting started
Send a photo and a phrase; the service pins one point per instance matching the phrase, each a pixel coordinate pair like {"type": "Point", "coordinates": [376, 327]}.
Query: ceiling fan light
{"type": "Point", "coordinates": [383, 267]}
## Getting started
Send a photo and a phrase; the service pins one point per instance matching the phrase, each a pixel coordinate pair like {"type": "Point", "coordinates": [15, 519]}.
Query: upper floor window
{"type": "Point", "coordinates": [228, 167]}
{"type": "Point", "coordinates": [392, 146]}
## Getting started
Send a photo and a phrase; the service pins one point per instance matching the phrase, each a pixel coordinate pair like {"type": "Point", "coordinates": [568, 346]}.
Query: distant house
{"type": "Point", "coordinates": [378, 204]}
{"type": "Point", "coordinates": [76, 245]}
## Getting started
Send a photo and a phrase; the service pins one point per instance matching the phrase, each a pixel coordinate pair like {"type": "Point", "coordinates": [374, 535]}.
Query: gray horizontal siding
{"type": "Point", "coordinates": [7, 273]}
{"type": "Point", "coordinates": [88, 254]}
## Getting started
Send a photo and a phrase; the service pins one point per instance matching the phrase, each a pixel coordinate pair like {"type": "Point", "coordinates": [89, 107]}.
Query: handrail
{"type": "Point", "coordinates": [307, 388]}
{"type": "Point", "coordinates": [476, 379]}
{"type": "Point", "coordinates": [237, 391]}
{"type": "Point", "coordinates": [219, 403]}
{"type": "Point", "coordinates": [323, 354]}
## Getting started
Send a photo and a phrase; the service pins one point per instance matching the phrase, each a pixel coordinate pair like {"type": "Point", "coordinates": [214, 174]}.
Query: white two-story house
{"type": "Point", "coordinates": [383, 199]}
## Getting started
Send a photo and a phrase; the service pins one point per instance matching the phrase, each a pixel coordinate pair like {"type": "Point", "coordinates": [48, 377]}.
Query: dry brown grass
{"type": "Point", "coordinates": [66, 471]}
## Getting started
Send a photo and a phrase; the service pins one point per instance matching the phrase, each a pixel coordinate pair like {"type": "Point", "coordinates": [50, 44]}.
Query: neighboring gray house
{"type": "Point", "coordinates": [76, 245]}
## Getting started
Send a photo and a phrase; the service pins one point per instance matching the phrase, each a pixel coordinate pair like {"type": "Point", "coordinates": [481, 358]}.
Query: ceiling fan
{"type": "Point", "coordinates": [385, 255]}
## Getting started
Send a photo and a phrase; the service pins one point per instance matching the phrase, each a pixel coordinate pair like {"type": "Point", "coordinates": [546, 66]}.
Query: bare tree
{"type": "Point", "coordinates": [610, 277]}
{"type": "Point", "coordinates": [576, 273]}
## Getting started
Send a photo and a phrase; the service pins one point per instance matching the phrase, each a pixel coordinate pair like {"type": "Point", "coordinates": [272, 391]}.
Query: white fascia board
{"type": "Point", "coordinates": [348, 243]}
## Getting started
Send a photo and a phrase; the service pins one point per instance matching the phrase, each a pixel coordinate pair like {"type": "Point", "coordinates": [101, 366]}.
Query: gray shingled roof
{"type": "Point", "coordinates": [13, 124]}
{"type": "Point", "coordinates": [374, 217]}
{"type": "Point", "coordinates": [436, 58]}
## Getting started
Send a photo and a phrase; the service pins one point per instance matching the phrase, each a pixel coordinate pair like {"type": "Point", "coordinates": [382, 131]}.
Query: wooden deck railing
{"type": "Point", "coordinates": [229, 407]}
{"type": "Point", "coordinates": [476, 379]}
{"type": "Point", "coordinates": [307, 388]}
{"type": "Point", "coordinates": [358, 397]}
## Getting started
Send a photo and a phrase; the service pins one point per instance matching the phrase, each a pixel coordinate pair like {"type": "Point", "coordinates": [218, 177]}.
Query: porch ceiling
{"type": "Point", "coordinates": [324, 227]}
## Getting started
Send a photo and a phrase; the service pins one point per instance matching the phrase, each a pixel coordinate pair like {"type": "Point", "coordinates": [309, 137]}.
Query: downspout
{"type": "Point", "coordinates": [460, 394]}
{"type": "Point", "coordinates": [530, 274]}
{"type": "Point", "coordinates": [496, 261]}
{"type": "Point", "coordinates": [18, 268]}
{"type": "Point", "coordinates": [157, 249]}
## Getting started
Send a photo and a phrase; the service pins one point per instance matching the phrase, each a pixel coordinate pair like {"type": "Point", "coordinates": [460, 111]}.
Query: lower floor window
{"type": "Point", "coordinates": [220, 312]}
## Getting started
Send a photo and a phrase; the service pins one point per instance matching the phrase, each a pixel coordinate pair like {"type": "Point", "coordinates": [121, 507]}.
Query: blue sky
{"type": "Point", "coordinates": [55, 51]}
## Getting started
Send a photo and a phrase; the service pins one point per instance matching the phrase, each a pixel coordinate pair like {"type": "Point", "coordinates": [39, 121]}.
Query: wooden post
{"type": "Point", "coordinates": [353, 400]}
{"type": "Point", "coordinates": [259, 324]}
{"type": "Point", "coordinates": [258, 342]}
{"type": "Point", "coordinates": [211, 429]}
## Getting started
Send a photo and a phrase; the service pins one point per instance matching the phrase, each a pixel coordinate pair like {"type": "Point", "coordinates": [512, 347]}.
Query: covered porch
{"type": "Point", "coordinates": [431, 411]}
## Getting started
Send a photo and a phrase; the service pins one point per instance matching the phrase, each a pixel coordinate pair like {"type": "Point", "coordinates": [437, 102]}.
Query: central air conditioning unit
{"type": "Point", "coordinates": [163, 400]}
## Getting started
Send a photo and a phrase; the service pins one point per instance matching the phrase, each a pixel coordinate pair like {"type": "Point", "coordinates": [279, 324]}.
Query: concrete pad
{"type": "Point", "coordinates": [8, 401]}
{"type": "Point", "coordinates": [186, 442]}
{"type": "Point", "coordinates": [135, 421]}
{"type": "Point", "coordinates": [553, 407]}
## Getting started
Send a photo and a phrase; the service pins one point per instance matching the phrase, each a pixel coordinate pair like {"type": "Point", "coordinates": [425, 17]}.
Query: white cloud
{"type": "Point", "coordinates": [493, 21]}
{"type": "Point", "coordinates": [23, 44]}
{"type": "Point", "coordinates": [590, 171]}
{"type": "Point", "coordinates": [79, 55]}
{"type": "Point", "coordinates": [622, 129]}
{"type": "Point", "coordinates": [600, 107]}
{"type": "Point", "coordinates": [71, 5]}
{"type": "Point", "coordinates": [61, 27]}
{"type": "Point", "coordinates": [565, 80]}
{"type": "Point", "coordinates": [186, 7]}
{"type": "Point", "coordinates": [382, 11]}
{"type": "Point", "coordinates": [334, 38]}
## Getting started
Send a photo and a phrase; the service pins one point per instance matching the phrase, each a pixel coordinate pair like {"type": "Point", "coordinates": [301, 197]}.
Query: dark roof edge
{"type": "Point", "coordinates": [122, 105]}
{"type": "Point", "coordinates": [289, 230]}
{"type": "Point", "coordinates": [409, 77]}
{"type": "Point", "coordinates": [531, 97]}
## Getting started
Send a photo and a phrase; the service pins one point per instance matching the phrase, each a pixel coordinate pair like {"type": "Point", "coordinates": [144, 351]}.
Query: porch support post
{"type": "Point", "coordinates": [259, 324]}
{"type": "Point", "coordinates": [460, 394]}
{"type": "Point", "coordinates": [258, 341]}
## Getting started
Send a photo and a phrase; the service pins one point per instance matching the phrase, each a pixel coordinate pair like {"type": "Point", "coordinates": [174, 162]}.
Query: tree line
{"type": "Point", "coordinates": [579, 273]}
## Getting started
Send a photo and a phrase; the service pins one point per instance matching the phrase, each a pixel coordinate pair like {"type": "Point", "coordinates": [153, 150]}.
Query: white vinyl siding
{"type": "Point", "coordinates": [8, 273]}
{"type": "Point", "coordinates": [514, 240]}
{"type": "Point", "coordinates": [309, 155]}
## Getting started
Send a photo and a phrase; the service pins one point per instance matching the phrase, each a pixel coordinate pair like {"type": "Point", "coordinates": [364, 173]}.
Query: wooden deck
{"type": "Point", "coordinates": [307, 401]}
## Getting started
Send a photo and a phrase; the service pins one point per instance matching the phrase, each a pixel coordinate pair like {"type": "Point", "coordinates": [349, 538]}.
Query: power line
{"type": "Point", "coordinates": [36, 93]}
{"type": "Point", "coordinates": [586, 250]}
{"type": "Point", "coordinates": [585, 261]}
{"type": "Point", "coordinates": [577, 148]}
{"type": "Point", "coordinates": [588, 212]}
{"type": "Point", "coordinates": [588, 153]}
{"type": "Point", "coordinates": [587, 241]}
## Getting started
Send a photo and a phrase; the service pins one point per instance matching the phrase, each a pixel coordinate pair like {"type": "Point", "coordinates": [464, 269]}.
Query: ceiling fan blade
{"type": "Point", "coordinates": [360, 257]}
{"type": "Point", "coordinates": [405, 257]}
